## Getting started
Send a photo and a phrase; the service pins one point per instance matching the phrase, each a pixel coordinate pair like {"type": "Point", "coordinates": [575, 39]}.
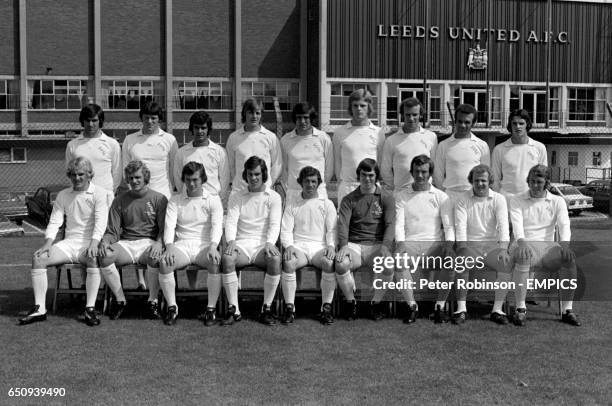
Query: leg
{"type": "Point", "coordinates": [272, 265]}
{"type": "Point", "coordinates": [40, 283]}
{"type": "Point", "coordinates": [230, 283]}
{"type": "Point", "coordinates": [92, 285]}
{"type": "Point", "coordinates": [345, 280]}
{"type": "Point", "coordinates": [117, 255]}
{"type": "Point", "coordinates": [567, 271]}
{"type": "Point", "coordinates": [213, 278]}
{"type": "Point", "coordinates": [289, 283]}
{"type": "Point", "coordinates": [168, 283]}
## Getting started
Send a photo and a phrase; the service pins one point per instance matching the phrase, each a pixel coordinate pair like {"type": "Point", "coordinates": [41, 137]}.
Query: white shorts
{"type": "Point", "coordinates": [310, 249]}
{"type": "Point", "coordinates": [483, 248]}
{"type": "Point", "coordinates": [250, 248]}
{"type": "Point", "coordinates": [191, 248]}
{"type": "Point", "coordinates": [136, 247]}
{"type": "Point", "coordinates": [73, 248]}
{"type": "Point", "coordinates": [365, 252]}
{"type": "Point", "coordinates": [344, 188]}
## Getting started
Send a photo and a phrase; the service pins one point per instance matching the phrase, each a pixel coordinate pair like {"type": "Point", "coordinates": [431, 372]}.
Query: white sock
{"type": "Point", "coordinates": [213, 282]}
{"type": "Point", "coordinates": [270, 285]}
{"type": "Point", "coordinates": [407, 294]}
{"type": "Point", "coordinates": [111, 276]}
{"type": "Point", "coordinates": [92, 285]}
{"type": "Point", "coordinates": [39, 285]}
{"type": "Point", "coordinates": [289, 286]}
{"type": "Point", "coordinates": [379, 294]}
{"type": "Point", "coordinates": [566, 305]}
{"type": "Point", "coordinates": [347, 285]}
{"type": "Point", "coordinates": [328, 286]}
{"type": "Point", "coordinates": [500, 294]}
{"type": "Point", "coordinates": [461, 306]}
{"type": "Point", "coordinates": [168, 287]}
{"type": "Point", "coordinates": [520, 278]}
{"type": "Point", "coordinates": [153, 282]}
{"type": "Point", "coordinates": [230, 284]}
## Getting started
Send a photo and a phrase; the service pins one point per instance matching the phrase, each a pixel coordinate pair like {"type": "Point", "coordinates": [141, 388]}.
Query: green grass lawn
{"type": "Point", "coordinates": [136, 361]}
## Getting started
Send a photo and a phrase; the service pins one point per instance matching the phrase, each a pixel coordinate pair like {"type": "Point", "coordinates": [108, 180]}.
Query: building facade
{"type": "Point", "coordinates": [551, 57]}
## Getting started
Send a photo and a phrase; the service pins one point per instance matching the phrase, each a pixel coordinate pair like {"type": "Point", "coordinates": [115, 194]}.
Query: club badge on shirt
{"type": "Point", "coordinates": [376, 209]}
{"type": "Point", "coordinates": [433, 203]}
{"type": "Point", "coordinates": [150, 211]}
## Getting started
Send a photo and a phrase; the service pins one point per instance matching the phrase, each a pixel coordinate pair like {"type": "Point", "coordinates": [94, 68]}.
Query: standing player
{"type": "Point", "coordinates": [308, 234]}
{"type": "Point", "coordinates": [193, 229]}
{"type": "Point", "coordinates": [365, 230]}
{"type": "Point", "coordinates": [535, 214]}
{"type": "Point", "coordinates": [513, 158]}
{"type": "Point", "coordinates": [306, 146]}
{"type": "Point", "coordinates": [356, 140]}
{"type": "Point", "coordinates": [400, 148]}
{"type": "Point", "coordinates": [252, 139]}
{"type": "Point", "coordinates": [457, 155]}
{"type": "Point", "coordinates": [134, 235]}
{"type": "Point", "coordinates": [156, 149]}
{"type": "Point", "coordinates": [251, 230]}
{"type": "Point", "coordinates": [424, 228]}
{"type": "Point", "coordinates": [102, 151]}
{"type": "Point", "coordinates": [84, 209]}
{"type": "Point", "coordinates": [211, 155]}
{"type": "Point", "coordinates": [482, 231]}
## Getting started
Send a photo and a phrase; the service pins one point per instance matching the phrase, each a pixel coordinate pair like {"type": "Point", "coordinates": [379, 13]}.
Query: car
{"type": "Point", "coordinates": [40, 205]}
{"type": "Point", "coordinates": [12, 205]}
{"type": "Point", "coordinates": [576, 201]}
{"type": "Point", "coordinates": [593, 186]}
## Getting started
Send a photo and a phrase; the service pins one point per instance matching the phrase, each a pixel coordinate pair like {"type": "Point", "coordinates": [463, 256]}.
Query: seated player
{"type": "Point", "coordinates": [365, 230]}
{"type": "Point", "coordinates": [85, 210]}
{"type": "Point", "coordinates": [308, 234]}
{"type": "Point", "coordinates": [535, 214]}
{"type": "Point", "coordinates": [481, 228]}
{"type": "Point", "coordinates": [251, 230]}
{"type": "Point", "coordinates": [193, 230]}
{"type": "Point", "coordinates": [424, 228]}
{"type": "Point", "coordinates": [134, 236]}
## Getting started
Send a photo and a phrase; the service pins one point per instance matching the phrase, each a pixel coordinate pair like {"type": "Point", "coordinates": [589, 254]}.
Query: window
{"type": "Point", "coordinates": [9, 94]}
{"type": "Point", "coordinates": [286, 92]}
{"type": "Point", "coordinates": [57, 94]}
{"type": "Point", "coordinates": [587, 104]}
{"type": "Point", "coordinates": [572, 158]}
{"type": "Point", "coordinates": [208, 95]}
{"type": "Point", "coordinates": [340, 93]}
{"type": "Point", "coordinates": [597, 158]}
{"type": "Point", "coordinates": [13, 155]}
{"type": "Point", "coordinates": [131, 94]}
{"type": "Point", "coordinates": [431, 102]}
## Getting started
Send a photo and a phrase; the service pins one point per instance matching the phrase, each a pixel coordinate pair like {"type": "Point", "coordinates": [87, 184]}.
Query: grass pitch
{"type": "Point", "coordinates": [134, 361]}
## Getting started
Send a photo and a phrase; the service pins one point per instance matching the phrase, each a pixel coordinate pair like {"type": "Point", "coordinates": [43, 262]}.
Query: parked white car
{"type": "Point", "coordinates": [576, 201]}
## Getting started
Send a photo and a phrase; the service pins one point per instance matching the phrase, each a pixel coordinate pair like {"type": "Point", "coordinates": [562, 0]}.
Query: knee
{"type": "Point", "coordinates": [228, 261]}
{"type": "Point", "coordinates": [327, 265]}
{"type": "Point", "coordinates": [165, 269]}
{"type": "Point", "coordinates": [38, 262]}
{"type": "Point", "coordinates": [343, 267]}
{"type": "Point", "coordinates": [289, 266]}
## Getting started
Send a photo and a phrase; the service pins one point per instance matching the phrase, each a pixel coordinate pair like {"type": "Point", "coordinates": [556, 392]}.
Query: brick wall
{"type": "Point", "coordinates": [59, 36]}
